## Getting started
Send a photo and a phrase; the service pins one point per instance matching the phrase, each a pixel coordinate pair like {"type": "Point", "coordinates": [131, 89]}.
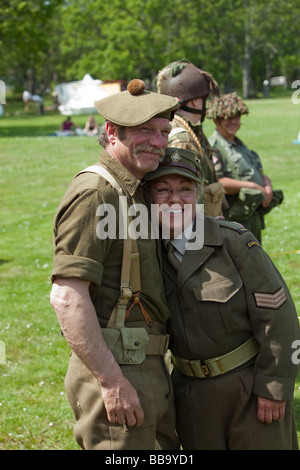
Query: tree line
{"type": "Point", "coordinates": [241, 42]}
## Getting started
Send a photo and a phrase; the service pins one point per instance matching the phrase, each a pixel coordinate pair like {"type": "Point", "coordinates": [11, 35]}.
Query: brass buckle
{"type": "Point", "coordinates": [205, 368]}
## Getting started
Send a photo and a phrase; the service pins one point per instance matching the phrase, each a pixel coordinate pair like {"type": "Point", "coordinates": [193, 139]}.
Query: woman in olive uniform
{"type": "Point", "coordinates": [233, 323]}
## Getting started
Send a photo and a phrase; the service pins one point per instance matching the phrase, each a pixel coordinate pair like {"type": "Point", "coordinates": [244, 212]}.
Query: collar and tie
{"type": "Point", "coordinates": [173, 260]}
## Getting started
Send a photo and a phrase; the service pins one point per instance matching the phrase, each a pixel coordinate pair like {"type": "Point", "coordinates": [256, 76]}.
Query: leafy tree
{"type": "Point", "coordinates": [25, 37]}
{"type": "Point", "coordinates": [241, 42]}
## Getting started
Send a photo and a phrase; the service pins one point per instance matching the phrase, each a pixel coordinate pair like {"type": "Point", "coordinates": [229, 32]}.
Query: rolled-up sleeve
{"type": "Point", "coordinates": [78, 251]}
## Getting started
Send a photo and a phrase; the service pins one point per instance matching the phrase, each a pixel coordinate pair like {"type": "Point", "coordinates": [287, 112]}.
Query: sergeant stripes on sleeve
{"type": "Point", "coordinates": [273, 301]}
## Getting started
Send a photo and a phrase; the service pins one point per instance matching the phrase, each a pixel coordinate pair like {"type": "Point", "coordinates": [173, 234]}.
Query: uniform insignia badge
{"type": "Point", "coordinates": [175, 157]}
{"type": "Point", "coordinates": [252, 243]}
{"type": "Point", "coordinates": [273, 301]}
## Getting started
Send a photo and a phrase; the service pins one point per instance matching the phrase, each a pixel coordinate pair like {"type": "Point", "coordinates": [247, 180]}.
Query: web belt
{"type": "Point", "coordinates": [217, 365]}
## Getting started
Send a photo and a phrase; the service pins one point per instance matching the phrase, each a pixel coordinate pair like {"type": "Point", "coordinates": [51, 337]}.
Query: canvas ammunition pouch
{"type": "Point", "coordinates": [129, 345]}
{"type": "Point", "coordinates": [213, 195]}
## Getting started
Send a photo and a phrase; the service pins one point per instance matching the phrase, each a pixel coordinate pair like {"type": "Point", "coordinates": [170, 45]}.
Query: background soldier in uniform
{"type": "Point", "coordinates": [232, 327]}
{"type": "Point", "coordinates": [127, 405]}
{"type": "Point", "coordinates": [192, 86]}
{"type": "Point", "coordinates": [248, 190]}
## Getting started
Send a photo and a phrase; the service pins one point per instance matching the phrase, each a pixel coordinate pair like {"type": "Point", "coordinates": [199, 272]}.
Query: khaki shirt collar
{"type": "Point", "coordinates": [127, 180]}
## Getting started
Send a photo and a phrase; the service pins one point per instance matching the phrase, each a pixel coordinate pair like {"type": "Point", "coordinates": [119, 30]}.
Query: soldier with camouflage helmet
{"type": "Point", "coordinates": [248, 190]}
{"type": "Point", "coordinates": [192, 86]}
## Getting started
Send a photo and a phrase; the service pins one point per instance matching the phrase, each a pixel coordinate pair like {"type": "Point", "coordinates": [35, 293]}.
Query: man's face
{"type": "Point", "coordinates": [176, 198]}
{"type": "Point", "coordinates": [229, 127]}
{"type": "Point", "coordinates": [142, 147]}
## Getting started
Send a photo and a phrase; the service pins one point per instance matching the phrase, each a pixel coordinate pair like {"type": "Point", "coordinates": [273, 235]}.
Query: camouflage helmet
{"type": "Point", "coordinates": [226, 106]}
{"type": "Point", "coordinates": [185, 81]}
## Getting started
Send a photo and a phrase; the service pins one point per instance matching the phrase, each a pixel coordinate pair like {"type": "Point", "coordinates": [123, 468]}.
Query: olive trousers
{"type": "Point", "coordinates": [220, 413]}
{"type": "Point", "coordinates": [93, 431]}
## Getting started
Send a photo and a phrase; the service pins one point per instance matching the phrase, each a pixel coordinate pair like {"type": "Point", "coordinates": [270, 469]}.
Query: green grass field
{"type": "Point", "coordinates": [35, 171]}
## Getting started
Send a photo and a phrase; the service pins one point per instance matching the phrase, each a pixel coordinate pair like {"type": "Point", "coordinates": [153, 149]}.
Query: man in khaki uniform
{"type": "Point", "coordinates": [121, 400]}
{"type": "Point", "coordinates": [232, 327]}
{"type": "Point", "coordinates": [192, 86]}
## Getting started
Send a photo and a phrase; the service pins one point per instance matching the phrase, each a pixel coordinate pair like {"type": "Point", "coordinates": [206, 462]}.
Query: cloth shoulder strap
{"type": "Point", "coordinates": [103, 172]}
{"type": "Point", "coordinates": [119, 312]}
{"type": "Point", "coordinates": [130, 273]}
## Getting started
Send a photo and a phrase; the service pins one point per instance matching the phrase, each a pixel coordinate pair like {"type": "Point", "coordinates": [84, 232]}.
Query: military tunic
{"type": "Point", "coordinates": [235, 160]}
{"type": "Point", "coordinates": [222, 295]}
{"type": "Point", "coordinates": [190, 136]}
{"type": "Point", "coordinates": [81, 253]}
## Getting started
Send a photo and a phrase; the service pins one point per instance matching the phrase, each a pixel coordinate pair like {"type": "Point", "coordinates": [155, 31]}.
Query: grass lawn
{"type": "Point", "coordinates": [35, 172]}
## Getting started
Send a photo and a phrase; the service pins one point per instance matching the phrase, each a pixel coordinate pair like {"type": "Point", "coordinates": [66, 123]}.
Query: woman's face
{"type": "Point", "coordinates": [175, 197]}
{"type": "Point", "coordinates": [229, 127]}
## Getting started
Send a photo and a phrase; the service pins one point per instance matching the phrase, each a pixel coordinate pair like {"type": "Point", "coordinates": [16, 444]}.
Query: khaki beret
{"type": "Point", "coordinates": [177, 161]}
{"type": "Point", "coordinates": [136, 105]}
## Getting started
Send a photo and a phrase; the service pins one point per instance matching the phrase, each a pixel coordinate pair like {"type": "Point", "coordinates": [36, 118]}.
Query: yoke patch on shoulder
{"type": "Point", "coordinates": [273, 301]}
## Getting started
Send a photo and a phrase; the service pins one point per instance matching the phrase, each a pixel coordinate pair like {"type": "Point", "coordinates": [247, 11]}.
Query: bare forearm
{"type": "Point", "coordinates": [77, 317]}
{"type": "Point", "coordinates": [233, 186]}
{"type": "Point", "coordinates": [80, 326]}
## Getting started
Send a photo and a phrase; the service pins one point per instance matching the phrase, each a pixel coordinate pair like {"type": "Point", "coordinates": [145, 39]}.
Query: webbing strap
{"type": "Point", "coordinates": [103, 172]}
{"type": "Point", "coordinates": [130, 273]}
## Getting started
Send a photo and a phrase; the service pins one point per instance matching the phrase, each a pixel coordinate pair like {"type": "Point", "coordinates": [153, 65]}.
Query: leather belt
{"type": "Point", "coordinates": [217, 365]}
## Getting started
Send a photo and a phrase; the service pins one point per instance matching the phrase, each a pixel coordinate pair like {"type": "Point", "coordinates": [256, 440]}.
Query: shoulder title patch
{"type": "Point", "coordinates": [252, 243]}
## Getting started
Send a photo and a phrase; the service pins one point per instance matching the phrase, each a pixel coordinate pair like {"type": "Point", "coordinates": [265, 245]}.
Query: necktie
{"type": "Point", "coordinates": [174, 261]}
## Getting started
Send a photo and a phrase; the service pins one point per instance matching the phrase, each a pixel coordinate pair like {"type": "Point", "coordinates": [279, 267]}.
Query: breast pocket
{"type": "Point", "coordinates": [219, 303]}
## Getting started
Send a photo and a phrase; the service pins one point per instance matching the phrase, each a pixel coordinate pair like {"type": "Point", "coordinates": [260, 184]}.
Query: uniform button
{"type": "Point", "coordinates": [137, 343]}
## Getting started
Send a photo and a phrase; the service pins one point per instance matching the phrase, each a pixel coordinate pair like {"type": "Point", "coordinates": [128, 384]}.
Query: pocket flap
{"type": "Point", "coordinates": [220, 290]}
{"type": "Point", "coordinates": [134, 338]}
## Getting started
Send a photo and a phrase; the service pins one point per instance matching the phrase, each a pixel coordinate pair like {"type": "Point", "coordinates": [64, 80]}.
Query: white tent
{"type": "Point", "coordinates": [78, 97]}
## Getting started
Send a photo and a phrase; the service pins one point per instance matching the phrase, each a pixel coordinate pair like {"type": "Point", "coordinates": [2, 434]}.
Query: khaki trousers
{"type": "Point", "coordinates": [220, 413]}
{"type": "Point", "coordinates": [93, 431]}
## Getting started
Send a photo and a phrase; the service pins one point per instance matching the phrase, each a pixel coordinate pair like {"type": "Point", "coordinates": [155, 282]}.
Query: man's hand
{"type": "Point", "coordinates": [270, 410]}
{"type": "Point", "coordinates": [122, 404]}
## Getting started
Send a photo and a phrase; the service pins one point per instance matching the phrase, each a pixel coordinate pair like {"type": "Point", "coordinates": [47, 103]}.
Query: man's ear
{"type": "Point", "coordinates": [111, 131]}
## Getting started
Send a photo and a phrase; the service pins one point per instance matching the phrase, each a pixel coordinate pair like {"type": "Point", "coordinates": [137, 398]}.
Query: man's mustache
{"type": "Point", "coordinates": [148, 149]}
